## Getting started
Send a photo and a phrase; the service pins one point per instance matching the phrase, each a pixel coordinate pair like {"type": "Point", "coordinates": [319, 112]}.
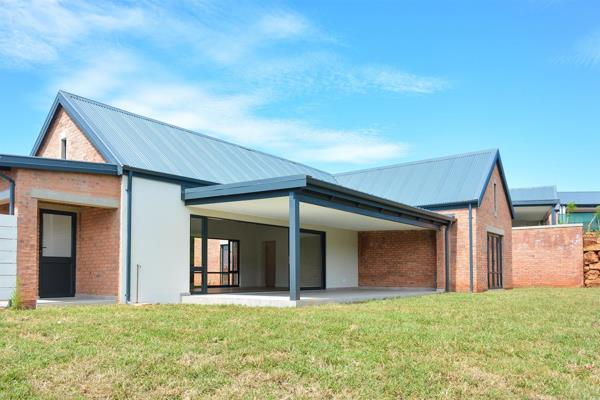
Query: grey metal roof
{"type": "Point", "coordinates": [588, 198]}
{"type": "Point", "coordinates": [534, 195]}
{"type": "Point", "coordinates": [438, 182]}
{"type": "Point", "coordinates": [133, 140]}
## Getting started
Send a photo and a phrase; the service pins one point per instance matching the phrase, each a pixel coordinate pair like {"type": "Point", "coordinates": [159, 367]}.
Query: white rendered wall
{"type": "Point", "coordinates": [342, 258]}
{"type": "Point", "coordinates": [160, 242]}
{"type": "Point", "coordinates": [8, 256]}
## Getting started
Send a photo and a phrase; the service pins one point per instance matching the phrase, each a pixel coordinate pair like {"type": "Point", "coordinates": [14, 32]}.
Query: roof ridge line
{"type": "Point", "coordinates": [579, 191]}
{"type": "Point", "coordinates": [117, 109]}
{"type": "Point", "coordinates": [534, 187]}
{"type": "Point", "coordinates": [435, 159]}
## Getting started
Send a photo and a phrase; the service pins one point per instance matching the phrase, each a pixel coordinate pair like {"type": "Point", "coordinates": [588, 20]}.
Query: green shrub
{"type": "Point", "coordinates": [16, 301]}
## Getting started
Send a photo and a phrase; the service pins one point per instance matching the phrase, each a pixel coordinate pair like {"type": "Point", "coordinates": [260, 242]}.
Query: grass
{"type": "Point", "coordinates": [538, 343]}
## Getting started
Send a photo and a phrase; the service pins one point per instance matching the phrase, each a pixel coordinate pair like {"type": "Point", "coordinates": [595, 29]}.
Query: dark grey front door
{"type": "Point", "coordinates": [57, 254]}
{"type": "Point", "coordinates": [494, 261]}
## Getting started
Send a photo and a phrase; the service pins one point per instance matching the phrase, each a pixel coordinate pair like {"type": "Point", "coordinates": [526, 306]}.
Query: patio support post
{"type": "Point", "coordinates": [294, 245]}
{"type": "Point", "coordinates": [204, 255]}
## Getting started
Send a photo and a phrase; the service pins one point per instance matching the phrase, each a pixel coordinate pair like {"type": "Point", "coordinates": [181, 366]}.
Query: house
{"type": "Point", "coordinates": [586, 204]}
{"type": "Point", "coordinates": [535, 205]}
{"type": "Point", "coordinates": [544, 205]}
{"type": "Point", "coordinates": [110, 203]}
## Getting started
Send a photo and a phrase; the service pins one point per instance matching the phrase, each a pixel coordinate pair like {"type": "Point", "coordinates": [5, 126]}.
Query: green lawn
{"type": "Point", "coordinates": [542, 343]}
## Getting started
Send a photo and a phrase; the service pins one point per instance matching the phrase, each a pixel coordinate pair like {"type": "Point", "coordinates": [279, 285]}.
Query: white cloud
{"type": "Point", "coordinates": [226, 33]}
{"type": "Point", "coordinates": [120, 80]}
{"type": "Point", "coordinates": [588, 49]}
{"type": "Point", "coordinates": [116, 52]}
{"type": "Point", "coordinates": [394, 80]}
{"type": "Point", "coordinates": [283, 25]}
{"type": "Point", "coordinates": [36, 31]}
{"type": "Point", "coordinates": [234, 118]}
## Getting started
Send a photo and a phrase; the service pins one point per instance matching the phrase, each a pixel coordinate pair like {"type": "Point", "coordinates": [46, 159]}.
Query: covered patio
{"type": "Point", "coordinates": [300, 203]}
{"type": "Point", "coordinates": [309, 297]}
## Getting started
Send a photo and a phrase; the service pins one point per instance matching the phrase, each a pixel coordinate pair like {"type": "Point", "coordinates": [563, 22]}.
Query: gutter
{"type": "Point", "coordinates": [128, 271]}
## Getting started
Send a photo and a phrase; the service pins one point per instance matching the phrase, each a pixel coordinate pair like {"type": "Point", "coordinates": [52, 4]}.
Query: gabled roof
{"type": "Point", "coordinates": [128, 139]}
{"type": "Point", "coordinates": [590, 199]}
{"type": "Point", "coordinates": [435, 183]}
{"type": "Point", "coordinates": [540, 195]}
{"type": "Point", "coordinates": [132, 141]}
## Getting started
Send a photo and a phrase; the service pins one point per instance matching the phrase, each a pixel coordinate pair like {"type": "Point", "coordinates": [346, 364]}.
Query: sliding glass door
{"type": "Point", "coordinates": [214, 262]}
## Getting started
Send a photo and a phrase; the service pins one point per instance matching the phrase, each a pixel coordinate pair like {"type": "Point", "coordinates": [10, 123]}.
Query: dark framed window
{"type": "Point", "coordinates": [63, 148]}
{"type": "Point", "coordinates": [495, 200]}
{"type": "Point", "coordinates": [228, 274]}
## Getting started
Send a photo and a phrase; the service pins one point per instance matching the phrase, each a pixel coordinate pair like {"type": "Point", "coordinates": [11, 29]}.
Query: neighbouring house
{"type": "Point", "coordinates": [586, 204]}
{"type": "Point", "coordinates": [544, 205]}
{"type": "Point", "coordinates": [548, 236]}
{"type": "Point", "coordinates": [535, 205]}
{"type": "Point", "coordinates": [110, 203]}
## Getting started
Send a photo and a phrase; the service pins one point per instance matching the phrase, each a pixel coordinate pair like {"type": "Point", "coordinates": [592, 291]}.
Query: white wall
{"type": "Point", "coordinates": [160, 241]}
{"type": "Point", "coordinates": [160, 244]}
{"type": "Point", "coordinates": [8, 256]}
{"type": "Point", "coordinates": [342, 258]}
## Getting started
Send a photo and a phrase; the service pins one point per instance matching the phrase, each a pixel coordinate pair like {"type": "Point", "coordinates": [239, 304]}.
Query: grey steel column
{"type": "Point", "coordinates": [204, 255]}
{"type": "Point", "coordinates": [294, 245]}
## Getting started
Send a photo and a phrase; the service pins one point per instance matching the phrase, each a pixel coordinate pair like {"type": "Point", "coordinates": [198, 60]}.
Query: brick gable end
{"type": "Point", "coordinates": [79, 147]}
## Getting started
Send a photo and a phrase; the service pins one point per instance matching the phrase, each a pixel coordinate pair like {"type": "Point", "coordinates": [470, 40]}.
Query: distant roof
{"type": "Point", "coordinates": [434, 183]}
{"type": "Point", "coordinates": [580, 198]}
{"type": "Point", "coordinates": [542, 195]}
{"type": "Point", "coordinates": [133, 140]}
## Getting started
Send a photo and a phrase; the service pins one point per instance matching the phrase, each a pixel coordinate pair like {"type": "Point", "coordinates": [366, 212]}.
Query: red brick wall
{"type": "Point", "coordinates": [484, 219]}
{"type": "Point", "coordinates": [3, 208]}
{"type": "Point", "coordinates": [78, 146]}
{"type": "Point", "coordinates": [27, 211]}
{"type": "Point", "coordinates": [214, 261]}
{"type": "Point", "coordinates": [547, 256]}
{"type": "Point", "coordinates": [440, 259]}
{"type": "Point", "coordinates": [97, 251]}
{"type": "Point", "coordinates": [459, 249]}
{"type": "Point", "coordinates": [397, 258]}
{"type": "Point", "coordinates": [488, 220]}
{"type": "Point", "coordinates": [213, 258]}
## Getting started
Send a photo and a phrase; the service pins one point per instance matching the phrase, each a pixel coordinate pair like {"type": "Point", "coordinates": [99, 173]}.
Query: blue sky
{"type": "Point", "coordinates": [339, 85]}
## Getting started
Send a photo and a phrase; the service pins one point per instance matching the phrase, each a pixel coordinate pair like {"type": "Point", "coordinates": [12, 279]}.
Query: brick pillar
{"type": "Point", "coordinates": [26, 210]}
{"type": "Point", "coordinates": [441, 258]}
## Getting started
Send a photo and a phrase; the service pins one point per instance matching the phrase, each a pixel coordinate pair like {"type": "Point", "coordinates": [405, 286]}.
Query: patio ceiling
{"type": "Point", "coordinates": [532, 213]}
{"type": "Point", "coordinates": [276, 210]}
{"type": "Point", "coordinates": [320, 203]}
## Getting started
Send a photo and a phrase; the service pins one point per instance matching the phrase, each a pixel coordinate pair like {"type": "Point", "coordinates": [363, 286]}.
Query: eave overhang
{"type": "Point", "coordinates": [320, 193]}
{"type": "Point", "coordinates": [54, 164]}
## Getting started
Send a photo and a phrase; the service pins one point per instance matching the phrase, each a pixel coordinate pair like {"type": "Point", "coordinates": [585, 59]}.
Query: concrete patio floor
{"type": "Point", "coordinates": [76, 301]}
{"type": "Point", "coordinates": [307, 297]}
